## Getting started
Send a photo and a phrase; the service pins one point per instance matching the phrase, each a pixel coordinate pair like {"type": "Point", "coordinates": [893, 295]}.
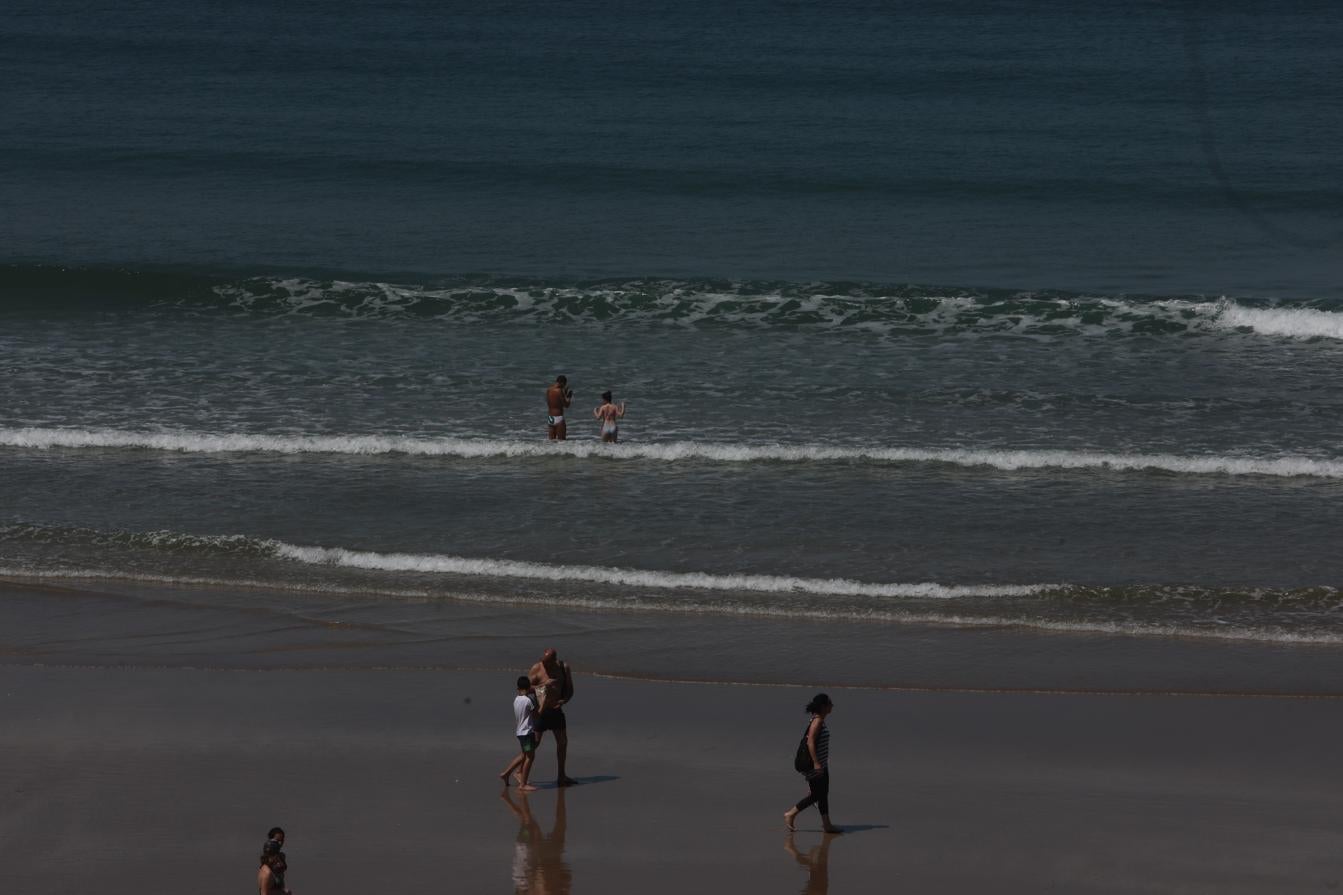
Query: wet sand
{"type": "Point", "coordinates": [136, 623]}
{"type": "Point", "coordinates": [122, 780]}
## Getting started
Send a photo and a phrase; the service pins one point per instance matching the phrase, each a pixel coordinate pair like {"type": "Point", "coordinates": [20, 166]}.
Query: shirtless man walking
{"type": "Point", "coordinates": [554, 683]}
{"type": "Point", "coordinates": [558, 397]}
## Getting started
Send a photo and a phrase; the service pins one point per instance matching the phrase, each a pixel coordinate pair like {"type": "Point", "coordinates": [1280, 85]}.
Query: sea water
{"type": "Point", "coordinates": [1018, 316]}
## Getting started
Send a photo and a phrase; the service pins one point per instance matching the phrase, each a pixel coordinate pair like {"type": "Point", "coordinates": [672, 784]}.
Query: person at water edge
{"type": "Point", "coordinates": [524, 717]}
{"type": "Point", "coordinates": [609, 413]}
{"type": "Point", "coordinates": [270, 876]}
{"type": "Point", "coordinates": [554, 683]}
{"type": "Point", "coordinates": [817, 742]}
{"type": "Point", "coordinates": [558, 397]}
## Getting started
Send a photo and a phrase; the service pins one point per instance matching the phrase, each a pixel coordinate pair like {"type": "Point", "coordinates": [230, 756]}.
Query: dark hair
{"type": "Point", "coordinates": [270, 849]}
{"type": "Point", "coordinates": [273, 832]}
{"type": "Point", "coordinates": [561, 379]}
{"type": "Point", "coordinates": [606, 396]}
{"type": "Point", "coordinates": [818, 701]}
{"type": "Point", "coordinates": [524, 682]}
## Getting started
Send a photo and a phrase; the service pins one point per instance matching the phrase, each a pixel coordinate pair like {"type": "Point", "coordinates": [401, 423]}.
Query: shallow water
{"type": "Point", "coordinates": [954, 315]}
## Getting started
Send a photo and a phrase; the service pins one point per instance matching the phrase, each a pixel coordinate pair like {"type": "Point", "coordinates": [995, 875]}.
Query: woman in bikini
{"type": "Point", "coordinates": [609, 414]}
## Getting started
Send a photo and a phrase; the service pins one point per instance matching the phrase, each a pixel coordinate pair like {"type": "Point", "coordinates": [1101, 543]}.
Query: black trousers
{"type": "Point", "coordinates": [819, 784]}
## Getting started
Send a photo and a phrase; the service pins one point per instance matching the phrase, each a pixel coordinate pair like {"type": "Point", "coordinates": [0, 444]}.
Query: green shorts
{"type": "Point", "coordinates": [528, 742]}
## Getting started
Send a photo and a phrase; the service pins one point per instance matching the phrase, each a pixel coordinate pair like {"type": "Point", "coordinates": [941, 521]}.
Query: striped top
{"type": "Point", "coordinates": [823, 746]}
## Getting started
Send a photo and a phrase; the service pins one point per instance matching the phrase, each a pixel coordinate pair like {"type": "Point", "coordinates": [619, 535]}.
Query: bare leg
{"type": "Point", "coordinates": [561, 755]}
{"type": "Point", "coordinates": [513, 765]}
{"type": "Point", "coordinates": [818, 793]}
{"type": "Point", "coordinates": [523, 785]}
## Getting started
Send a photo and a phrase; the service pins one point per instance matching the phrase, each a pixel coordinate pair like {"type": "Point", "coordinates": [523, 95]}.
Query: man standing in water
{"type": "Point", "coordinates": [554, 683]}
{"type": "Point", "coordinates": [558, 397]}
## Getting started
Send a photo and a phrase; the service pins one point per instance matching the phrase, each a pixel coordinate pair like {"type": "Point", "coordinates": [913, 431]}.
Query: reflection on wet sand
{"type": "Point", "coordinates": [816, 861]}
{"type": "Point", "coordinates": [538, 859]}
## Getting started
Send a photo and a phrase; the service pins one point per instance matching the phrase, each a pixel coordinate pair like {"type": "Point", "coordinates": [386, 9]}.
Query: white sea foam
{"type": "Point", "coordinates": [667, 452]}
{"type": "Point", "coordinates": [1299, 323]}
{"type": "Point", "coordinates": [811, 306]}
{"type": "Point", "coordinates": [503, 568]}
{"type": "Point", "coordinates": [741, 610]}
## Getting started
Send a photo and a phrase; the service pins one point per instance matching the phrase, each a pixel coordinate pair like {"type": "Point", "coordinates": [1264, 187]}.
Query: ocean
{"type": "Point", "coordinates": [959, 317]}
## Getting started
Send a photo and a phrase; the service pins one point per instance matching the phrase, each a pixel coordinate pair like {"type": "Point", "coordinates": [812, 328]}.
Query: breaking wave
{"type": "Point", "coordinates": [242, 545]}
{"type": "Point", "coordinates": [498, 568]}
{"type": "Point", "coordinates": [1300, 615]}
{"type": "Point", "coordinates": [888, 310]}
{"type": "Point", "coordinates": [1297, 323]}
{"type": "Point", "coordinates": [665, 452]}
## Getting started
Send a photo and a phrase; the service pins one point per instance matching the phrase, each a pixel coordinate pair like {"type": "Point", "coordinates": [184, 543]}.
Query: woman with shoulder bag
{"type": "Point", "coordinates": [816, 744]}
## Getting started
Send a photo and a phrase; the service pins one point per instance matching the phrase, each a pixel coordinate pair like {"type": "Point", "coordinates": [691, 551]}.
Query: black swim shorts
{"type": "Point", "coordinates": [551, 719]}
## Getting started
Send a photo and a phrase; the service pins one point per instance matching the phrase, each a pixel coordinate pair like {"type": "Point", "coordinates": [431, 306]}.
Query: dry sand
{"type": "Point", "coordinates": [132, 780]}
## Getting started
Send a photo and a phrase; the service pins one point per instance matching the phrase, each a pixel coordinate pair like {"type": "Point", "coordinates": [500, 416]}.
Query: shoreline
{"type": "Point", "coordinates": [632, 678]}
{"type": "Point", "coordinates": [115, 623]}
{"type": "Point", "coordinates": [85, 582]}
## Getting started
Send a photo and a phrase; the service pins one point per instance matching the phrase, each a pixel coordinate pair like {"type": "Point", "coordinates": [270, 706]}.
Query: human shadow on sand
{"type": "Point", "coordinates": [845, 828]}
{"type": "Point", "coordinates": [578, 781]}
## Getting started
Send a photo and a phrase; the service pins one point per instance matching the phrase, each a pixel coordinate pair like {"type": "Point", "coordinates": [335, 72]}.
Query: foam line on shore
{"type": "Point", "coordinates": [667, 452]}
{"type": "Point", "coordinates": [681, 607]}
{"type": "Point", "coordinates": [444, 564]}
{"type": "Point", "coordinates": [504, 568]}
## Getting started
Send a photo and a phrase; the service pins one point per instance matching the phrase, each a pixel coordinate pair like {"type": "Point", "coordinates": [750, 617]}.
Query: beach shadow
{"type": "Point", "coordinates": [578, 781]}
{"type": "Point", "coordinates": [847, 828]}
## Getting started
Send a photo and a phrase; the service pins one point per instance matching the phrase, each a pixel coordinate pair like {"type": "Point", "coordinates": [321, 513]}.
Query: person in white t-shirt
{"type": "Point", "coordinates": [524, 718]}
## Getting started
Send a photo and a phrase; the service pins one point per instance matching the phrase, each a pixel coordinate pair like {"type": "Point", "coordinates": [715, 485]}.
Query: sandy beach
{"type": "Point", "coordinates": [118, 779]}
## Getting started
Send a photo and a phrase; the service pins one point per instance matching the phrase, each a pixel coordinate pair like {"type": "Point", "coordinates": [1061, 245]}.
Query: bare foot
{"type": "Point", "coordinates": [566, 781]}
{"type": "Point", "coordinates": [517, 775]}
{"type": "Point", "coordinates": [526, 787]}
{"type": "Point", "coordinates": [833, 831]}
{"type": "Point", "coordinates": [788, 819]}
{"type": "Point", "coordinates": [504, 777]}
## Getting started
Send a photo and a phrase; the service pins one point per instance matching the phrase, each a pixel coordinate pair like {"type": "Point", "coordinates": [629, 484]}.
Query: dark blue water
{"type": "Point", "coordinates": [983, 314]}
{"type": "Point", "coordinates": [1154, 147]}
